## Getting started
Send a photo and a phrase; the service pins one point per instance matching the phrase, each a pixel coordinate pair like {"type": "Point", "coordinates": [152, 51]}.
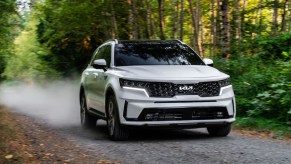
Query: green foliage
{"type": "Point", "coordinates": [275, 101]}
{"type": "Point", "coordinates": [72, 30]}
{"type": "Point", "coordinates": [8, 22]}
{"type": "Point", "coordinates": [25, 64]}
{"type": "Point", "coordinates": [262, 124]}
{"type": "Point", "coordinates": [275, 47]}
{"type": "Point", "coordinates": [261, 77]}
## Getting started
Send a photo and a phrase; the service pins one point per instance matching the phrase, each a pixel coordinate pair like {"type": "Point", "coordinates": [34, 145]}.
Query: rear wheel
{"type": "Point", "coordinates": [116, 130]}
{"type": "Point", "coordinates": [86, 119]}
{"type": "Point", "coordinates": [220, 131]}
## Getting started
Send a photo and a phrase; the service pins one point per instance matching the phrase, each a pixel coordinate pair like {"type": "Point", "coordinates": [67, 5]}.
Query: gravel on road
{"type": "Point", "coordinates": [175, 146]}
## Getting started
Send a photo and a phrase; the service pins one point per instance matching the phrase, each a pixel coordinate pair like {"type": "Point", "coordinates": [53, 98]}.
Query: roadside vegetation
{"type": "Point", "coordinates": [11, 142]}
{"type": "Point", "coordinates": [250, 40]}
{"type": "Point", "coordinates": [261, 75]}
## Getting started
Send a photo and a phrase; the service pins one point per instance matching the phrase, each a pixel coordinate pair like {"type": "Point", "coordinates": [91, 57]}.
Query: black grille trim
{"type": "Point", "coordinates": [193, 113]}
{"type": "Point", "coordinates": [165, 89]}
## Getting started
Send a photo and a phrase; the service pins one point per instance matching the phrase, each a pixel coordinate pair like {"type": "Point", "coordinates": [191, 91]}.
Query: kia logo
{"type": "Point", "coordinates": [185, 88]}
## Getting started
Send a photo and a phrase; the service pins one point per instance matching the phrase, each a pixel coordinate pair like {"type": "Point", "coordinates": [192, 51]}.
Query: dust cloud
{"type": "Point", "coordinates": [56, 103]}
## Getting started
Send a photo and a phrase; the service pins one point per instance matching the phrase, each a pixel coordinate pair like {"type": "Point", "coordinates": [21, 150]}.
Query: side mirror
{"type": "Point", "coordinates": [208, 62]}
{"type": "Point", "coordinates": [99, 64]}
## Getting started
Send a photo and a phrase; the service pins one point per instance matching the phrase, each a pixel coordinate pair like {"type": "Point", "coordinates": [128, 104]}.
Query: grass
{"type": "Point", "coordinates": [278, 130]}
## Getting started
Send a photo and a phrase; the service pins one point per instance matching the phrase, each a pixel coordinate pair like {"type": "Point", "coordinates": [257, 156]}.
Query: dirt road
{"type": "Point", "coordinates": [78, 145]}
{"type": "Point", "coordinates": [49, 118]}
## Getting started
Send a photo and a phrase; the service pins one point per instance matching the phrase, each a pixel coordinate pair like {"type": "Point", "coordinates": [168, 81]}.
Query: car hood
{"type": "Point", "coordinates": [167, 72]}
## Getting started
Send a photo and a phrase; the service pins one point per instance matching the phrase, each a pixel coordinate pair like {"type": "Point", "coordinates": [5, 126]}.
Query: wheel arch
{"type": "Point", "coordinates": [109, 91]}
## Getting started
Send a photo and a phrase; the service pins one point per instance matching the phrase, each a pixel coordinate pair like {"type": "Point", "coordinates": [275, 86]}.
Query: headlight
{"type": "Point", "coordinates": [225, 82]}
{"type": "Point", "coordinates": [134, 85]}
{"type": "Point", "coordinates": [131, 83]}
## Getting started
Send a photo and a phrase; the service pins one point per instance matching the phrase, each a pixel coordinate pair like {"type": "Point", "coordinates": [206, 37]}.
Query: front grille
{"type": "Point", "coordinates": [194, 113]}
{"type": "Point", "coordinates": [164, 89]}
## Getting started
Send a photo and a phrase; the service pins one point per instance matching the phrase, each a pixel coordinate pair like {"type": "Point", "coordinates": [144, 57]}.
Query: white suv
{"type": "Point", "coordinates": [155, 84]}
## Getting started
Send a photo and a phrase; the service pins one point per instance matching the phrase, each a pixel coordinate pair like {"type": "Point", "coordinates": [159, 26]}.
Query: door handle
{"type": "Point", "coordinates": [95, 75]}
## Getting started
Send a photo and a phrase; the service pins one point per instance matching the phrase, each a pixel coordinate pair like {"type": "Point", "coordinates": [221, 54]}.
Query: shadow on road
{"type": "Point", "coordinates": [100, 133]}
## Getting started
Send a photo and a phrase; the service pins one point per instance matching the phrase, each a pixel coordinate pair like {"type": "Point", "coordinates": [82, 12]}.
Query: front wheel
{"type": "Point", "coordinates": [86, 119]}
{"type": "Point", "coordinates": [220, 131]}
{"type": "Point", "coordinates": [117, 132]}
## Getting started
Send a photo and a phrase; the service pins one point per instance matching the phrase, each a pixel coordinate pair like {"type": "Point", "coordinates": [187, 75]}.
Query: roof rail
{"type": "Point", "coordinates": [112, 40]}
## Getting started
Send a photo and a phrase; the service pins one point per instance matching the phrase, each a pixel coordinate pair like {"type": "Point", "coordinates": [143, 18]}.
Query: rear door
{"type": "Point", "coordinates": [98, 80]}
{"type": "Point", "coordinates": [93, 81]}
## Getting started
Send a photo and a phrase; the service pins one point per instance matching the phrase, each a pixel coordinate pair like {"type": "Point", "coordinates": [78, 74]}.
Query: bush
{"type": "Point", "coordinates": [260, 74]}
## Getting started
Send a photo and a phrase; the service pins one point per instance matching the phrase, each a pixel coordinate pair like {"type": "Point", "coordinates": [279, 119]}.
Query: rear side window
{"type": "Point", "coordinates": [129, 54]}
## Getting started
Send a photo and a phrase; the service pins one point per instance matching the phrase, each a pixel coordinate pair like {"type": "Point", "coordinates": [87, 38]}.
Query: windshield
{"type": "Point", "coordinates": [130, 54]}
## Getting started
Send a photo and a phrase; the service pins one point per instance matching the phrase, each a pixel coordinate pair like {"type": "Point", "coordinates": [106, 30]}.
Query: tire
{"type": "Point", "coordinates": [87, 121]}
{"type": "Point", "coordinates": [220, 131]}
{"type": "Point", "coordinates": [116, 131]}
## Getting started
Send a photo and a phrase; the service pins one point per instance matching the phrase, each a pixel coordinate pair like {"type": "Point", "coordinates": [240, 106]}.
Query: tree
{"type": "Point", "coordinates": [114, 30]}
{"type": "Point", "coordinates": [9, 20]}
{"type": "Point", "coordinates": [26, 63]}
{"type": "Point", "coordinates": [195, 24]}
{"type": "Point", "coordinates": [213, 24]}
{"type": "Point", "coordinates": [151, 21]}
{"type": "Point", "coordinates": [181, 20]}
{"type": "Point", "coordinates": [161, 19]}
{"type": "Point", "coordinates": [225, 33]}
{"type": "Point", "coordinates": [71, 30]}
{"type": "Point", "coordinates": [283, 24]}
{"type": "Point", "coordinates": [237, 17]}
{"type": "Point", "coordinates": [275, 16]}
{"type": "Point", "coordinates": [133, 20]}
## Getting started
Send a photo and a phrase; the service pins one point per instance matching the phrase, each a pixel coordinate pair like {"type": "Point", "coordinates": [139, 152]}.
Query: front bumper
{"type": "Point", "coordinates": [186, 110]}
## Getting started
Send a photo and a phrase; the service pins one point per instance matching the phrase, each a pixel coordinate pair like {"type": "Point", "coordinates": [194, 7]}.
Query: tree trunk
{"type": "Point", "coordinates": [133, 20]}
{"type": "Point", "coordinates": [174, 18]}
{"type": "Point", "coordinates": [199, 39]}
{"type": "Point", "coordinates": [161, 19]}
{"type": "Point", "coordinates": [283, 24]}
{"type": "Point", "coordinates": [195, 25]}
{"type": "Point", "coordinates": [114, 32]}
{"type": "Point", "coordinates": [152, 30]}
{"type": "Point", "coordinates": [213, 24]}
{"type": "Point", "coordinates": [225, 32]}
{"type": "Point", "coordinates": [245, 3]}
{"type": "Point", "coordinates": [181, 20]}
{"type": "Point", "coordinates": [218, 21]}
{"type": "Point", "coordinates": [201, 42]}
{"type": "Point", "coordinates": [146, 20]}
{"type": "Point", "coordinates": [195, 30]}
{"type": "Point", "coordinates": [259, 17]}
{"type": "Point", "coordinates": [238, 19]}
{"type": "Point", "coordinates": [275, 17]}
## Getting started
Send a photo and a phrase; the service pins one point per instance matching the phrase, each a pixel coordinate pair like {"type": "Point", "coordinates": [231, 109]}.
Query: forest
{"type": "Point", "coordinates": [248, 39]}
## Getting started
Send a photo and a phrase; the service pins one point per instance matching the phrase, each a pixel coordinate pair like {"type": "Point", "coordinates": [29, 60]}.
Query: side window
{"type": "Point", "coordinates": [104, 53]}
{"type": "Point", "coordinates": [99, 54]}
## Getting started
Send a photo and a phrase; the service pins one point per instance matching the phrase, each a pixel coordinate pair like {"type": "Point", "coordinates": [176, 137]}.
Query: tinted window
{"type": "Point", "coordinates": [104, 53]}
{"type": "Point", "coordinates": [99, 54]}
{"type": "Point", "coordinates": [128, 54]}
